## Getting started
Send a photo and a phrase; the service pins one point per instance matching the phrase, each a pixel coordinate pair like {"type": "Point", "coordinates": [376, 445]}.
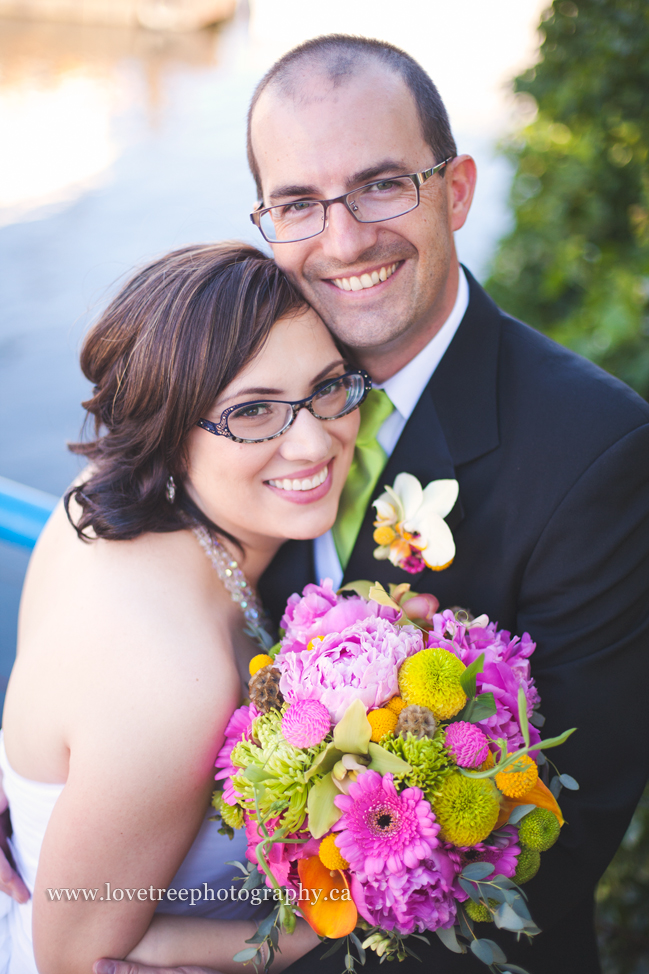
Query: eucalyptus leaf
{"type": "Point", "coordinates": [498, 956]}
{"type": "Point", "coordinates": [255, 879]}
{"type": "Point", "coordinates": [245, 955]}
{"type": "Point", "coordinates": [386, 763]}
{"type": "Point", "coordinates": [465, 924]}
{"type": "Point", "coordinates": [515, 969]}
{"type": "Point", "coordinates": [483, 951]}
{"type": "Point", "coordinates": [478, 870]}
{"type": "Point", "coordinates": [518, 813]}
{"type": "Point", "coordinates": [334, 950]}
{"type": "Point", "coordinates": [468, 677]}
{"type": "Point", "coordinates": [556, 786]}
{"type": "Point", "coordinates": [470, 889]}
{"type": "Point", "coordinates": [519, 906]}
{"type": "Point", "coordinates": [537, 719]}
{"type": "Point", "coordinates": [449, 939]}
{"type": "Point", "coordinates": [568, 782]}
{"type": "Point", "coordinates": [267, 923]}
{"type": "Point", "coordinates": [245, 869]}
{"type": "Point", "coordinates": [522, 716]}
{"type": "Point", "coordinates": [506, 918]}
{"type": "Point", "coordinates": [359, 947]}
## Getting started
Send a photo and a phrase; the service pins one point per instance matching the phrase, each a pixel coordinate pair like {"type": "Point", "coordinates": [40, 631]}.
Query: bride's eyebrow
{"type": "Point", "coordinates": [261, 391]}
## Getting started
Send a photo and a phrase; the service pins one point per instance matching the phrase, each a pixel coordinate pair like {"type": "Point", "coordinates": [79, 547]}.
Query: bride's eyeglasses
{"type": "Point", "coordinates": [264, 419]}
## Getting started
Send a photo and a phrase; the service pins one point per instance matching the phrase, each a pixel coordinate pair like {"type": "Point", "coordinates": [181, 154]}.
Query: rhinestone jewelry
{"type": "Point", "coordinates": [235, 582]}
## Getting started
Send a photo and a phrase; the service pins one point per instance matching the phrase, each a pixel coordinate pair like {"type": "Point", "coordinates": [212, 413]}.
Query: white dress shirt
{"type": "Point", "coordinates": [404, 389]}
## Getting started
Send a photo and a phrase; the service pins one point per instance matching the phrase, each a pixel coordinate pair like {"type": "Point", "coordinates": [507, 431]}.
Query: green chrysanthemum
{"type": "Point", "coordinates": [232, 815]}
{"type": "Point", "coordinates": [528, 865]}
{"type": "Point", "coordinates": [431, 678]}
{"type": "Point", "coordinates": [539, 829]}
{"type": "Point", "coordinates": [479, 912]}
{"type": "Point", "coordinates": [466, 809]}
{"type": "Point", "coordinates": [428, 758]}
{"type": "Point", "coordinates": [283, 794]}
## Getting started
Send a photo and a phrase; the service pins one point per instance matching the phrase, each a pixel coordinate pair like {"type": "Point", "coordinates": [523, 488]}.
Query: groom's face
{"type": "Point", "coordinates": [320, 141]}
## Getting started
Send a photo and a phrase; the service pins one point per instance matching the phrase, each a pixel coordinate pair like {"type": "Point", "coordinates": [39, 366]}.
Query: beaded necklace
{"type": "Point", "coordinates": [258, 624]}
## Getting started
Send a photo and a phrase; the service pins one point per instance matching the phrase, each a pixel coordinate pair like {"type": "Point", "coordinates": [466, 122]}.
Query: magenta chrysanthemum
{"type": "Point", "coordinates": [467, 744]}
{"type": "Point", "coordinates": [381, 829]}
{"type": "Point", "coordinates": [502, 851]}
{"type": "Point", "coordinates": [237, 729]}
{"type": "Point", "coordinates": [415, 900]}
{"type": "Point", "coordinates": [361, 662]}
{"type": "Point", "coordinates": [306, 723]}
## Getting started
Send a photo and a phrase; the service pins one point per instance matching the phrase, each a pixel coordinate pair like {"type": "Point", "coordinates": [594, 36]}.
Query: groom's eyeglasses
{"type": "Point", "coordinates": [383, 199]}
{"type": "Point", "coordinates": [254, 422]}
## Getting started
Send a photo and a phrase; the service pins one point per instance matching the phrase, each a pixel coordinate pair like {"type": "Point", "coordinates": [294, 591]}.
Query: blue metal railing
{"type": "Point", "coordinates": [23, 512]}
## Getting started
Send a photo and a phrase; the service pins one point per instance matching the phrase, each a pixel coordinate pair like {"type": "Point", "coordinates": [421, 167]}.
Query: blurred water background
{"type": "Point", "coordinates": [121, 143]}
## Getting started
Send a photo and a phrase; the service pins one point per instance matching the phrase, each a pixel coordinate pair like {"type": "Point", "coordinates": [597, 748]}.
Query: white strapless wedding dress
{"type": "Point", "coordinates": [205, 869]}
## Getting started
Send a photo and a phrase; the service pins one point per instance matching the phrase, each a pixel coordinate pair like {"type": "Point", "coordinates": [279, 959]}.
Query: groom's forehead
{"type": "Point", "coordinates": [301, 132]}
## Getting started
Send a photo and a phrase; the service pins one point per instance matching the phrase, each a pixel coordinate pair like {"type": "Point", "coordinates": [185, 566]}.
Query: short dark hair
{"type": "Point", "coordinates": [166, 346]}
{"type": "Point", "coordinates": [339, 56]}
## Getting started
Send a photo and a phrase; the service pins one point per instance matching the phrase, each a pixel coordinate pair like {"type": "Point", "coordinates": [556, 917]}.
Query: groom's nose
{"type": "Point", "coordinates": [306, 439]}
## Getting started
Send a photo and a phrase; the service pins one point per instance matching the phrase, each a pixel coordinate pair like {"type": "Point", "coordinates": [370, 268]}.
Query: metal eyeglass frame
{"type": "Point", "coordinates": [418, 178]}
{"type": "Point", "coordinates": [221, 428]}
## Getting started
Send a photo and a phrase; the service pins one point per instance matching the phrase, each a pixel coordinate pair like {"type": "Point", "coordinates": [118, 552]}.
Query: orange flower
{"type": "Point", "coordinates": [539, 795]}
{"type": "Point", "coordinates": [330, 910]}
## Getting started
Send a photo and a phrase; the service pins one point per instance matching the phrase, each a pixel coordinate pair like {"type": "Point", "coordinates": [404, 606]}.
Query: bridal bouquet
{"type": "Point", "coordinates": [386, 773]}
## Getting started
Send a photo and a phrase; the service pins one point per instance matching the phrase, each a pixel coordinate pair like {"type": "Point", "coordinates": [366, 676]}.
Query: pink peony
{"type": "Point", "coordinates": [237, 729]}
{"type": "Point", "coordinates": [362, 661]}
{"type": "Point", "coordinates": [467, 744]}
{"type": "Point", "coordinates": [502, 851]}
{"type": "Point", "coordinates": [414, 900]}
{"type": "Point", "coordinates": [506, 667]}
{"type": "Point", "coordinates": [319, 611]}
{"type": "Point", "coordinates": [381, 829]}
{"type": "Point", "coordinates": [306, 723]}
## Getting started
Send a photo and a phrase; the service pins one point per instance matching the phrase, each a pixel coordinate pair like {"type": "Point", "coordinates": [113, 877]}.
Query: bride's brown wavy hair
{"type": "Point", "coordinates": [167, 345]}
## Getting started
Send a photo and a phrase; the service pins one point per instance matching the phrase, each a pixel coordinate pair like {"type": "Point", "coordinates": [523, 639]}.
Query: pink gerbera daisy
{"type": "Point", "coordinates": [381, 829]}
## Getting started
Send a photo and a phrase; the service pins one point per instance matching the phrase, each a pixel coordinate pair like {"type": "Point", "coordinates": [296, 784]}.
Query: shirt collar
{"type": "Point", "coordinates": [406, 386]}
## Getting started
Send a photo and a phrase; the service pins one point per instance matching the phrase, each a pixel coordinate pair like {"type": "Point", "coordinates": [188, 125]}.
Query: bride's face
{"type": "Point", "coordinates": [242, 486]}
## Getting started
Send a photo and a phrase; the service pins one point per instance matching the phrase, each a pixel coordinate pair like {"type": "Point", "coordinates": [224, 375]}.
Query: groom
{"type": "Point", "coordinates": [551, 454]}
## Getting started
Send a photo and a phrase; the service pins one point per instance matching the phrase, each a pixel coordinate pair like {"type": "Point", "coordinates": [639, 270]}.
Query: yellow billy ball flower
{"type": "Point", "coordinates": [258, 662]}
{"type": "Point", "coordinates": [467, 809]}
{"type": "Point", "coordinates": [431, 678]}
{"type": "Point", "coordinates": [382, 721]}
{"type": "Point", "coordinates": [518, 778]}
{"type": "Point", "coordinates": [396, 705]}
{"type": "Point", "coordinates": [384, 535]}
{"type": "Point", "coordinates": [329, 854]}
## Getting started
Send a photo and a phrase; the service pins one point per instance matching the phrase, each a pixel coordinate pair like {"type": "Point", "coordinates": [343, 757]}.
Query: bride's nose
{"type": "Point", "coordinates": [306, 439]}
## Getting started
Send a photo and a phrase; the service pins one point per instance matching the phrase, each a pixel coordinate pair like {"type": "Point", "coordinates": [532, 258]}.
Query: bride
{"type": "Point", "coordinates": [221, 400]}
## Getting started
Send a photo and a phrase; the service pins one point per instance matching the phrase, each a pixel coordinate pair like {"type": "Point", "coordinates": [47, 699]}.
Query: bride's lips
{"type": "Point", "coordinates": [321, 475]}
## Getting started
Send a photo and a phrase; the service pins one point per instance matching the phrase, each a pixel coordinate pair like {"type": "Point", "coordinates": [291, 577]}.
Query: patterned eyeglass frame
{"type": "Point", "coordinates": [221, 428]}
{"type": "Point", "coordinates": [418, 178]}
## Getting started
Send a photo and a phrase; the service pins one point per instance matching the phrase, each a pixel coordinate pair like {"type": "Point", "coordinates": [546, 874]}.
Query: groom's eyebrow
{"type": "Point", "coordinates": [263, 391]}
{"type": "Point", "coordinates": [356, 179]}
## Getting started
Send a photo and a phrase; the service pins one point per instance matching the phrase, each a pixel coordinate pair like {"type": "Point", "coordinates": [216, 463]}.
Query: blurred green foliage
{"type": "Point", "coordinates": [576, 264]}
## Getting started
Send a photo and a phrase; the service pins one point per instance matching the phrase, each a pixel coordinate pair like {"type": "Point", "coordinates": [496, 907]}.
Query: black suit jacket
{"type": "Point", "coordinates": [552, 536]}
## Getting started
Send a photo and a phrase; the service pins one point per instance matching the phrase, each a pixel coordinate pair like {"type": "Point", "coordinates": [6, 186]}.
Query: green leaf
{"type": "Point", "coordinates": [479, 708]}
{"type": "Point", "coordinates": [553, 741]}
{"type": "Point", "coordinates": [255, 774]}
{"type": "Point", "coordinates": [359, 947]}
{"type": "Point", "coordinates": [449, 939]}
{"type": "Point", "coordinates": [483, 951]}
{"type": "Point", "coordinates": [386, 763]}
{"type": "Point", "coordinates": [478, 870]}
{"type": "Point", "coordinates": [470, 889]}
{"type": "Point", "coordinates": [245, 955]}
{"type": "Point", "coordinates": [522, 716]}
{"type": "Point", "coordinates": [568, 782]}
{"type": "Point", "coordinates": [336, 947]}
{"type": "Point", "coordinates": [498, 956]}
{"type": "Point", "coordinates": [352, 733]}
{"type": "Point", "coordinates": [519, 813]}
{"type": "Point", "coordinates": [255, 879]}
{"type": "Point", "coordinates": [467, 679]}
{"type": "Point", "coordinates": [320, 806]}
{"type": "Point", "coordinates": [361, 587]}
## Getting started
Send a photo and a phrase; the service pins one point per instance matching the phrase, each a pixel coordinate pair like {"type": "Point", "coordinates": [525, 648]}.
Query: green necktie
{"type": "Point", "coordinates": [369, 460]}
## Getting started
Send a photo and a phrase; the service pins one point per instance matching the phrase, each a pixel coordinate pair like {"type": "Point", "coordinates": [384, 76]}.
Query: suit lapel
{"type": "Point", "coordinates": [455, 421]}
{"type": "Point", "coordinates": [290, 570]}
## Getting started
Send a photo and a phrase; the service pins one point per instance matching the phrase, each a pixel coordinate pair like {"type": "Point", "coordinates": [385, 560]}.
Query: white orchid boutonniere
{"type": "Point", "coordinates": [410, 526]}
